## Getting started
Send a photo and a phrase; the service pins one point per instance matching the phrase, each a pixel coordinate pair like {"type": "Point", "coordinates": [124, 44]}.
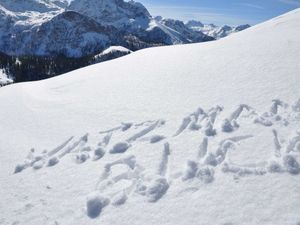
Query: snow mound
{"type": "Point", "coordinates": [112, 49]}
{"type": "Point", "coordinates": [111, 53]}
{"type": "Point", "coordinates": [95, 203]}
{"type": "Point", "coordinates": [120, 148]}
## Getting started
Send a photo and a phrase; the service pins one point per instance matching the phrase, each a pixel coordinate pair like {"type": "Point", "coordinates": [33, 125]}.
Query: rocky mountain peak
{"type": "Point", "coordinates": [111, 12]}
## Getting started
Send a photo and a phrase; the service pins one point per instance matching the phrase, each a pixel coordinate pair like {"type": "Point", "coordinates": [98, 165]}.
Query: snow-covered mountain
{"type": "Point", "coordinates": [185, 32]}
{"type": "Point", "coordinates": [30, 6]}
{"type": "Point", "coordinates": [20, 20]}
{"type": "Point", "coordinates": [72, 34]}
{"type": "Point", "coordinates": [85, 27]}
{"type": "Point", "coordinates": [117, 13]}
{"type": "Point", "coordinates": [213, 30]}
{"type": "Point", "coordinates": [45, 28]}
{"type": "Point", "coordinates": [190, 134]}
{"type": "Point", "coordinates": [133, 18]}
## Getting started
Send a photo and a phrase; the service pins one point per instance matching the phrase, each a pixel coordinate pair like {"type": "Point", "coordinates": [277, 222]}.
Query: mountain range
{"type": "Point", "coordinates": [45, 38]}
{"type": "Point", "coordinates": [85, 27]}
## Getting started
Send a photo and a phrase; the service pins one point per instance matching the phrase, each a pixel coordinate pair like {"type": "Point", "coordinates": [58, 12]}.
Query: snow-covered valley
{"type": "Point", "coordinates": [191, 134]}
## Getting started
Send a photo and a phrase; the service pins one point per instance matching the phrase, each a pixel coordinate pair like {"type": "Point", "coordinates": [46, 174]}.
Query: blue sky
{"type": "Point", "coordinates": [231, 12]}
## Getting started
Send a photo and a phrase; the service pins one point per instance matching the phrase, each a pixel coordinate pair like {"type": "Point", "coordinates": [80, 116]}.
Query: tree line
{"type": "Point", "coordinates": [31, 68]}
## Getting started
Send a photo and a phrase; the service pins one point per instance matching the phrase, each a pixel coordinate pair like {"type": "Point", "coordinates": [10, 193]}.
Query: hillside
{"type": "Point", "coordinates": [191, 134]}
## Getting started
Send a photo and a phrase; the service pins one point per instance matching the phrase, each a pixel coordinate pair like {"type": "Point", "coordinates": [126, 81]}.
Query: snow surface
{"type": "Point", "coordinates": [227, 112]}
{"type": "Point", "coordinates": [116, 49]}
{"type": "Point", "coordinates": [112, 50]}
{"type": "Point", "coordinates": [4, 80]}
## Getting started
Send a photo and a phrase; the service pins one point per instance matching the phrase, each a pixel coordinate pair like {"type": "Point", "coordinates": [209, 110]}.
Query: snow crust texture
{"type": "Point", "coordinates": [212, 157]}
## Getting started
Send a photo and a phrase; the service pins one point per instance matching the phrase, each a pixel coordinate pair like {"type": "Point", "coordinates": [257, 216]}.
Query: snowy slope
{"type": "Point", "coordinates": [125, 142]}
{"type": "Point", "coordinates": [112, 52]}
{"type": "Point", "coordinates": [113, 49]}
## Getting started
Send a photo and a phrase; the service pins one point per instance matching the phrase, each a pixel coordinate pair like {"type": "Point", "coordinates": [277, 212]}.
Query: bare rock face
{"type": "Point", "coordinates": [113, 12]}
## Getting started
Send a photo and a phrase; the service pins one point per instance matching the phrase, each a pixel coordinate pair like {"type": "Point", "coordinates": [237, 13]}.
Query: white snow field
{"type": "Point", "coordinates": [200, 134]}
